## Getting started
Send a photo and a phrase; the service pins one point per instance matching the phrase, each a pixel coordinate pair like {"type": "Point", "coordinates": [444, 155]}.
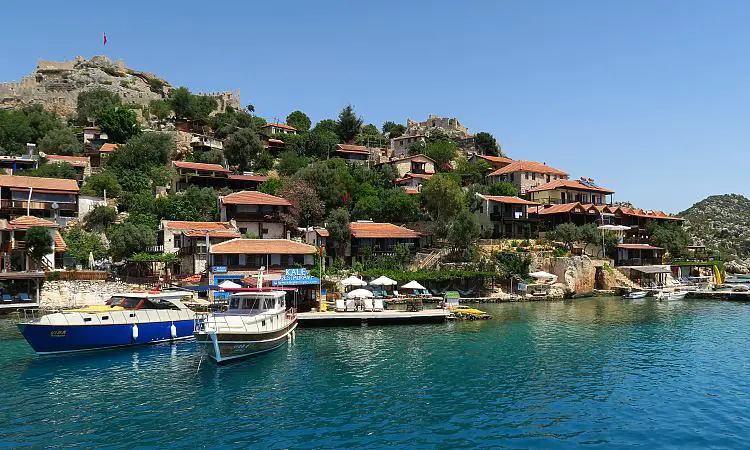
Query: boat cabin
{"type": "Point", "coordinates": [149, 300]}
{"type": "Point", "coordinates": [256, 302]}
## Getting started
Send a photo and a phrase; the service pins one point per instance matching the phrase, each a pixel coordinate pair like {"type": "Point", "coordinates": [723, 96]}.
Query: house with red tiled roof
{"type": "Point", "coordinates": [256, 213]}
{"type": "Point", "coordinates": [14, 256]}
{"type": "Point", "coordinates": [571, 191]}
{"type": "Point", "coordinates": [526, 175]}
{"type": "Point", "coordinates": [189, 241]}
{"type": "Point", "coordinates": [379, 238]}
{"type": "Point", "coordinates": [36, 196]}
{"type": "Point", "coordinates": [357, 154]}
{"type": "Point", "coordinates": [402, 144]}
{"type": "Point", "coordinates": [249, 255]}
{"type": "Point", "coordinates": [81, 164]}
{"type": "Point", "coordinates": [496, 162]}
{"type": "Point", "coordinates": [270, 129]}
{"type": "Point", "coordinates": [214, 176]}
{"type": "Point", "coordinates": [509, 216]}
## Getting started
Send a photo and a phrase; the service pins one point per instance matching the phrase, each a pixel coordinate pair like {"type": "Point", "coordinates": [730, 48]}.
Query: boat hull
{"type": "Point", "coordinates": [223, 347]}
{"type": "Point", "coordinates": [50, 339]}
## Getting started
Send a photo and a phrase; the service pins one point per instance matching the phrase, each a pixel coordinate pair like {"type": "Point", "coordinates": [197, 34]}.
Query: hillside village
{"type": "Point", "coordinates": [151, 182]}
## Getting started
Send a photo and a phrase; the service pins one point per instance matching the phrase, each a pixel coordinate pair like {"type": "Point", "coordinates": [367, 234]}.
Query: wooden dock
{"type": "Point", "coordinates": [7, 307]}
{"type": "Point", "coordinates": [387, 317]}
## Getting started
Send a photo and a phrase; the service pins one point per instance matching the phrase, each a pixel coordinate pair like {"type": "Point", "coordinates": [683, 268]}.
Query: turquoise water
{"type": "Point", "coordinates": [597, 372]}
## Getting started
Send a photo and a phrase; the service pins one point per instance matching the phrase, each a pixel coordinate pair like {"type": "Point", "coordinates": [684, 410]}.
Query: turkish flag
{"type": "Point", "coordinates": [105, 38]}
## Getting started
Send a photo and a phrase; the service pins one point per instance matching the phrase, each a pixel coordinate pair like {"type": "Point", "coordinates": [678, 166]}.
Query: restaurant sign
{"type": "Point", "coordinates": [296, 277]}
{"type": "Point", "coordinates": [219, 269]}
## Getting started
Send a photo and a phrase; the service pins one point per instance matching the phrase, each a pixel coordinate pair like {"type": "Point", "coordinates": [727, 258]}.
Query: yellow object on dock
{"type": "Point", "coordinates": [717, 274]}
{"type": "Point", "coordinates": [97, 309]}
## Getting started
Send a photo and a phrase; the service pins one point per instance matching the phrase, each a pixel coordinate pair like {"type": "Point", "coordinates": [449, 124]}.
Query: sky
{"type": "Point", "coordinates": [649, 98]}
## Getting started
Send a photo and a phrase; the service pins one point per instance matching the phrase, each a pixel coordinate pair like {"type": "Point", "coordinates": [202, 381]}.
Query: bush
{"type": "Point", "coordinates": [100, 218]}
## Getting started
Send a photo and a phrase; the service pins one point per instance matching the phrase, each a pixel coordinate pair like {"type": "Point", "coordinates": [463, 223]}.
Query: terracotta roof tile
{"type": "Point", "coordinates": [253, 198]}
{"type": "Point", "coordinates": [639, 247]}
{"type": "Point", "coordinates": [262, 247]}
{"type": "Point", "coordinates": [570, 184]}
{"type": "Point", "coordinates": [25, 222]}
{"type": "Point", "coordinates": [411, 190]}
{"type": "Point", "coordinates": [421, 158]}
{"type": "Point", "coordinates": [356, 149]}
{"type": "Point", "coordinates": [509, 200]}
{"type": "Point", "coordinates": [75, 161]}
{"type": "Point", "coordinates": [199, 166]}
{"type": "Point", "coordinates": [418, 176]}
{"type": "Point", "coordinates": [106, 148]}
{"type": "Point", "coordinates": [495, 159]}
{"type": "Point", "coordinates": [54, 184]}
{"type": "Point", "coordinates": [60, 245]}
{"type": "Point", "coordinates": [186, 225]}
{"type": "Point", "coordinates": [381, 230]}
{"type": "Point", "coordinates": [228, 234]}
{"type": "Point", "coordinates": [279, 125]}
{"type": "Point", "coordinates": [528, 166]}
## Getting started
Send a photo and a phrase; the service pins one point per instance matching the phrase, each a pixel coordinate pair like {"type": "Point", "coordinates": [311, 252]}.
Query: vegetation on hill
{"type": "Point", "coordinates": [722, 223]}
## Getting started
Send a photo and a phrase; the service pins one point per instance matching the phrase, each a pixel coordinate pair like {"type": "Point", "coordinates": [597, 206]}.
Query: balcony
{"type": "Point", "coordinates": [255, 217]}
{"type": "Point", "coordinates": [35, 206]}
{"type": "Point", "coordinates": [498, 216]}
{"type": "Point", "coordinates": [641, 262]}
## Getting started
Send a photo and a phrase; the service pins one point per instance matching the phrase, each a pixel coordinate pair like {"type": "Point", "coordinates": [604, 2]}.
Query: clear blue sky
{"type": "Point", "coordinates": [650, 98]}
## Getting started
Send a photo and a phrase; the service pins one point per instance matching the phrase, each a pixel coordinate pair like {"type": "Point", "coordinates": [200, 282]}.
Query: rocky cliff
{"type": "Point", "coordinates": [56, 85]}
{"type": "Point", "coordinates": [722, 222]}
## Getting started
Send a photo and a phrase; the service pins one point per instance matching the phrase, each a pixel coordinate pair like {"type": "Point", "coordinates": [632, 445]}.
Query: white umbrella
{"type": "Point", "coordinates": [543, 275]}
{"type": "Point", "coordinates": [91, 260]}
{"type": "Point", "coordinates": [383, 281]}
{"type": "Point", "coordinates": [229, 284]}
{"type": "Point", "coordinates": [414, 285]}
{"type": "Point", "coordinates": [353, 281]}
{"type": "Point", "coordinates": [614, 227]}
{"type": "Point", "coordinates": [360, 293]}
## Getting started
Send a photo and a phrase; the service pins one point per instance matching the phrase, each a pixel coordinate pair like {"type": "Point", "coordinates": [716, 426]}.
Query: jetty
{"type": "Point", "coordinates": [387, 317]}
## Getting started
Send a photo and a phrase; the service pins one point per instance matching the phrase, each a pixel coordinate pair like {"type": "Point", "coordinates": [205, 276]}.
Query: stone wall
{"type": "Point", "coordinates": [67, 294]}
{"type": "Point", "coordinates": [575, 274]}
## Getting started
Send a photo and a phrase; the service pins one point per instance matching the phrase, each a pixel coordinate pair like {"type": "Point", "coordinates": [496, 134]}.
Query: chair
{"type": "Point", "coordinates": [24, 297]}
{"type": "Point", "coordinates": [397, 295]}
{"type": "Point", "coordinates": [351, 304]}
{"type": "Point", "coordinates": [368, 304]}
{"type": "Point", "coordinates": [7, 298]}
{"type": "Point", "coordinates": [378, 305]}
{"type": "Point", "coordinates": [340, 305]}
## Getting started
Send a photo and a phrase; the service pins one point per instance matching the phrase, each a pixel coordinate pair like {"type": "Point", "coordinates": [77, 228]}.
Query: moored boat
{"type": "Point", "coordinates": [633, 295]}
{"type": "Point", "coordinates": [670, 296]}
{"type": "Point", "coordinates": [134, 318]}
{"type": "Point", "coordinates": [254, 322]}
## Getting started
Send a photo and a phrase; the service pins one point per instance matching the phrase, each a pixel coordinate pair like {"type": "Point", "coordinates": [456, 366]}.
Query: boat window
{"type": "Point", "coordinates": [125, 302]}
{"type": "Point", "coordinates": [157, 303]}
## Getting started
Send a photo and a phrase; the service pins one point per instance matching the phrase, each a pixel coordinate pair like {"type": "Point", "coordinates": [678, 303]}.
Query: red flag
{"type": "Point", "coordinates": [321, 252]}
{"type": "Point", "coordinates": [105, 38]}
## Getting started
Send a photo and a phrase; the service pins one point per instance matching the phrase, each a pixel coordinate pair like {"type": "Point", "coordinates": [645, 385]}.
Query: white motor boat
{"type": "Point", "coordinates": [632, 295]}
{"type": "Point", "coordinates": [670, 296]}
{"type": "Point", "coordinates": [255, 322]}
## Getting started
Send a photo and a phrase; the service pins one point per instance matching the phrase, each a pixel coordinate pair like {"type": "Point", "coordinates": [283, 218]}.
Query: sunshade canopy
{"type": "Point", "coordinates": [360, 293]}
{"type": "Point", "coordinates": [353, 281]}
{"type": "Point", "coordinates": [413, 285]}
{"type": "Point", "coordinates": [383, 281]}
{"type": "Point", "coordinates": [651, 269]}
{"type": "Point", "coordinates": [229, 284]}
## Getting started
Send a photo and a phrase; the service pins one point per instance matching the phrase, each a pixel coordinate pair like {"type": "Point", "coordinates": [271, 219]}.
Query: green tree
{"type": "Point", "coordinates": [230, 121]}
{"type": "Point", "coordinates": [142, 152]}
{"type": "Point", "coordinates": [670, 236]}
{"type": "Point", "coordinates": [513, 264]}
{"type": "Point", "coordinates": [81, 243]}
{"type": "Point", "coordinates": [348, 125]}
{"type": "Point", "coordinates": [298, 120]}
{"type": "Point", "coordinates": [129, 238]}
{"type": "Point", "coordinates": [486, 144]}
{"type": "Point", "coordinates": [393, 129]}
{"type": "Point", "coordinates": [60, 141]}
{"type": "Point", "coordinates": [95, 185]}
{"type": "Point", "coordinates": [442, 151]}
{"type": "Point", "coordinates": [120, 124]}
{"type": "Point", "coordinates": [242, 149]}
{"type": "Point", "coordinates": [327, 125]}
{"type": "Point", "coordinates": [463, 230]}
{"type": "Point", "coordinates": [331, 180]}
{"type": "Point", "coordinates": [181, 102]}
{"type": "Point", "coordinates": [92, 103]}
{"type": "Point", "coordinates": [503, 188]}
{"type": "Point", "coordinates": [470, 173]}
{"type": "Point", "coordinates": [213, 156]}
{"type": "Point", "coordinates": [567, 233]}
{"type": "Point", "coordinates": [52, 170]}
{"type": "Point", "coordinates": [369, 207]}
{"type": "Point", "coordinates": [399, 206]}
{"type": "Point", "coordinates": [307, 208]}
{"type": "Point", "coordinates": [20, 126]}
{"type": "Point", "coordinates": [38, 242]}
{"type": "Point", "coordinates": [337, 224]}
{"type": "Point", "coordinates": [271, 186]}
{"type": "Point", "coordinates": [161, 109]}
{"type": "Point", "coordinates": [442, 197]}
{"type": "Point", "coordinates": [100, 218]}
{"type": "Point", "coordinates": [290, 162]}
{"type": "Point", "coordinates": [370, 129]}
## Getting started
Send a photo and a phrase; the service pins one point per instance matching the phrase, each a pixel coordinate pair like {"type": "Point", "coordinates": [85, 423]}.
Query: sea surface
{"type": "Point", "coordinates": [601, 372]}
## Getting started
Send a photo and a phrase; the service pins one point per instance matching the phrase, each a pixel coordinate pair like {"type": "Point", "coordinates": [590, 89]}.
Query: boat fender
{"type": "Point", "coordinates": [135, 332]}
{"type": "Point", "coordinates": [173, 331]}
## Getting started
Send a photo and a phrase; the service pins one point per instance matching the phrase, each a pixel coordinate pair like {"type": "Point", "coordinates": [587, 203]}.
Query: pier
{"type": "Point", "coordinates": [387, 317]}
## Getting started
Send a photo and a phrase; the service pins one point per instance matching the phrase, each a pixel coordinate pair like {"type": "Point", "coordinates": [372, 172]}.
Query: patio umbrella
{"type": "Point", "coordinates": [614, 227]}
{"type": "Point", "coordinates": [414, 285]}
{"type": "Point", "coordinates": [353, 281]}
{"type": "Point", "coordinates": [383, 281]}
{"type": "Point", "coordinates": [229, 284]}
{"type": "Point", "coordinates": [543, 276]}
{"type": "Point", "coordinates": [360, 293]}
{"type": "Point", "coordinates": [91, 260]}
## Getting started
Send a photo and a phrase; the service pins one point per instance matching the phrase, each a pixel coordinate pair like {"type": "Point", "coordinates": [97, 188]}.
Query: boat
{"type": "Point", "coordinates": [134, 318]}
{"type": "Point", "coordinates": [670, 296]}
{"type": "Point", "coordinates": [466, 310]}
{"type": "Point", "coordinates": [254, 322]}
{"type": "Point", "coordinates": [635, 295]}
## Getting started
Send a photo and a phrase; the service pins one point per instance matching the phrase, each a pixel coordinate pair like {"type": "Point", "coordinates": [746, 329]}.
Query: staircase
{"type": "Point", "coordinates": [432, 258]}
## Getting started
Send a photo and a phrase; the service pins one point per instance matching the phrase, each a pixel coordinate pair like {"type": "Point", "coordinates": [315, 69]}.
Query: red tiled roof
{"type": "Point", "coordinates": [381, 230]}
{"type": "Point", "coordinates": [495, 159]}
{"type": "Point", "coordinates": [106, 148]}
{"type": "Point", "coordinates": [423, 158]}
{"type": "Point", "coordinates": [277, 141]}
{"type": "Point", "coordinates": [411, 190]}
{"type": "Point", "coordinates": [25, 222]}
{"type": "Point", "coordinates": [253, 198]}
{"type": "Point", "coordinates": [636, 212]}
{"type": "Point", "coordinates": [60, 245]}
{"type": "Point", "coordinates": [408, 137]}
{"type": "Point", "coordinates": [186, 225]}
{"type": "Point", "coordinates": [558, 209]}
{"type": "Point", "coordinates": [279, 125]}
{"type": "Point", "coordinates": [570, 184]}
{"type": "Point", "coordinates": [199, 166]}
{"type": "Point", "coordinates": [348, 148]}
{"type": "Point", "coordinates": [259, 178]}
{"type": "Point", "coordinates": [75, 161]}
{"type": "Point", "coordinates": [638, 247]}
{"type": "Point", "coordinates": [509, 200]}
{"type": "Point", "coordinates": [262, 247]}
{"type": "Point", "coordinates": [528, 166]}
{"type": "Point", "coordinates": [418, 176]}
{"type": "Point", "coordinates": [54, 184]}
{"type": "Point", "coordinates": [228, 234]}
{"type": "Point", "coordinates": [322, 232]}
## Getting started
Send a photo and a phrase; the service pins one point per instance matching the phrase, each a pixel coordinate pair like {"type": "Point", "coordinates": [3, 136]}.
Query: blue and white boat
{"type": "Point", "coordinates": [126, 319]}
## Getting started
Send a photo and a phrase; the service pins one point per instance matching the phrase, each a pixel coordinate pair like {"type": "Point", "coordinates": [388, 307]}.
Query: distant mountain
{"type": "Point", "coordinates": [721, 222]}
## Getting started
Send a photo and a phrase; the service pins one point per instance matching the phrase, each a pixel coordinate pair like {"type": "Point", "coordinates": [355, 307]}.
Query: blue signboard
{"type": "Point", "coordinates": [219, 269]}
{"type": "Point", "coordinates": [296, 277]}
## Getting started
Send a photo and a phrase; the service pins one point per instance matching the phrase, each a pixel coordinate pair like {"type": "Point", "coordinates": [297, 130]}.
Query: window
{"type": "Point", "coordinates": [533, 176]}
{"type": "Point", "coordinates": [511, 177]}
{"type": "Point", "coordinates": [526, 175]}
{"type": "Point", "coordinates": [548, 178]}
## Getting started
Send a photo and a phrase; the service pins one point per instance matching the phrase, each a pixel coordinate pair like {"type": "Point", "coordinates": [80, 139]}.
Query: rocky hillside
{"type": "Point", "coordinates": [56, 85]}
{"type": "Point", "coordinates": [721, 222]}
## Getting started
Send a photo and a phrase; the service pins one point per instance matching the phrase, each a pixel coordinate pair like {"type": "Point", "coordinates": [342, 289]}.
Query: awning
{"type": "Point", "coordinates": [203, 288]}
{"type": "Point", "coordinates": [651, 269]}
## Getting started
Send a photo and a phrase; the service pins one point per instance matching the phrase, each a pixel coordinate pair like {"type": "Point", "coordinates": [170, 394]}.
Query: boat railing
{"type": "Point", "coordinates": [205, 322]}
